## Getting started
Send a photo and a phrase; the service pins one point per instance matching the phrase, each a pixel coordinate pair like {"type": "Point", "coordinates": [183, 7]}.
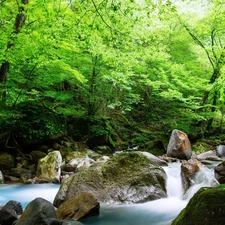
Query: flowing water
{"type": "Point", "coordinates": [158, 212]}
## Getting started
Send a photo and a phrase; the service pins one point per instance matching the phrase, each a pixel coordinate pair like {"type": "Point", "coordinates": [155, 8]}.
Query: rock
{"type": "Point", "coordinates": [1, 177]}
{"type": "Point", "coordinates": [10, 212]}
{"type": "Point", "coordinates": [127, 177]}
{"type": "Point", "coordinates": [38, 212]}
{"type": "Point", "coordinates": [49, 167]}
{"type": "Point", "coordinates": [220, 150]}
{"type": "Point", "coordinates": [21, 172]}
{"type": "Point", "coordinates": [100, 161]}
{"type": "Point", "coordinates": [78, 164]}
{"type": "Point", "coordinates": [206, 207]}
{"type": "Point", "coordinates": [103, 150]}
{"type": "Point", "coordinates": [7, 161]}
{"type": "Point", "coordinates": [81, 206]}
{"type": "Point", "coordinates": [179, 145]}
{"type": "Point", "coordinates": [36, 155]}
{"type": "Point", "coordinates": [219, 171]}
{"type": "Point", "coordinates": [154, 158]}
{"type": "Point", "coordinates": [188, 171]}
{"type": "Point", "coordinates": [209, 155]}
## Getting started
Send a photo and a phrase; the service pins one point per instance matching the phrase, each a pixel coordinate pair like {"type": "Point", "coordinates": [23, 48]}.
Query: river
{"type": "Point", "coordinates": [158, 212]}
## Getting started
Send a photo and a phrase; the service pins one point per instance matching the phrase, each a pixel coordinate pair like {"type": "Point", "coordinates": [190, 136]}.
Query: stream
{"type": "Point", "coordinates": [158, 212]}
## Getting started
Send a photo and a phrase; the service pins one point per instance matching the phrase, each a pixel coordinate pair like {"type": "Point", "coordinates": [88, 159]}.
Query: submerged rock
{"type": "Point", "coordinates": [179, 145]}
{"type": "Point", "coordinates": [206, 207]}
{"type": "Point", "coordinates": [81, 206]}
{"type": "Point", "coordinates": [125, 178]}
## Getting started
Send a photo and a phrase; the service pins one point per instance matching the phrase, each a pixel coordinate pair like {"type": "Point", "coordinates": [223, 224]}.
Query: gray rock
{"type": "Point", "coordinates": [209, 155]}
{"type": "Point", "coordinates": [10, 212]}
{"type": "Point", "coordinates": [179, 145]}
{"type": "Point", "coordinates": [38, 212]}
{"type": "Point", "coordinates": [220, 150]}
{"type": "Point", "coordinates": [127, 177]}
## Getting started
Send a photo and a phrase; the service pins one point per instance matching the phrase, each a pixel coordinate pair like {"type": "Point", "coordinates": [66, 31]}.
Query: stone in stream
{"type": "Point", "coordinates": [127, 177]}
{"type": "Point", "coordinates": [81, 206]}
{"type": "Point", "coordinates": [179, 145]}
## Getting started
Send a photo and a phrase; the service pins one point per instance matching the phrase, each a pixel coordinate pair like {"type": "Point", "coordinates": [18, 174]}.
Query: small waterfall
{"type": "Point", "coordinates": [174, 183]}
{"type": "Point", "coordinates": [203, 178]}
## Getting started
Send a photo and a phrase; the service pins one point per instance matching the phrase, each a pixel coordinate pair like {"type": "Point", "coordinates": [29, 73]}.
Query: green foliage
{"type": "Point", "coordinates": [37, 122]}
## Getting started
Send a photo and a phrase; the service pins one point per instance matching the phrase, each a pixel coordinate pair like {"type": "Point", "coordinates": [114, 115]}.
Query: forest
{"type": "Point", "coordinates": [129, 71]}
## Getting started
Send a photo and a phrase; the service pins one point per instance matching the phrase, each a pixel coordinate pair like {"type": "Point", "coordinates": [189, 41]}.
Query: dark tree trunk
{"type": "Point", "coordinates": [4, 68]}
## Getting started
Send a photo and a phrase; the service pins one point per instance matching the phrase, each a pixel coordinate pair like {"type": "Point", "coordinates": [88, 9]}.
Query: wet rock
{"type": "Point", "coordinates": [127, 177]}
{"type": "Point", "coordinates": [81, 206]}
{"type": "Point", "coordinates": [10, 212]}
{"type": "Point", "coordinates": [206, 207]}
{"type": "Point", "coordinates": [219, 171]}
{"type": "Point", "coordinates": [179, 145]}
{"type": "Point", "coordinates": [49, 167]}
{"type": "Point", "coordinates": [38, 212]}
{"type": "Point", "coordinates": [188, 171]}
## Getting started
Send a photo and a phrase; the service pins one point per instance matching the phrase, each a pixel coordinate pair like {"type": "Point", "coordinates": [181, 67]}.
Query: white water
{"type": "Point", "coordinates": [158, 212]}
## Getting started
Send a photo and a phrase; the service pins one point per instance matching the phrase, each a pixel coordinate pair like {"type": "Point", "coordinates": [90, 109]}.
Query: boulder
{"type": "Point", "coordinates": [219, 172]}
{"type": "Point", "coordinates": [7, 161]}
{"type": "Point", "coordinates": [10, 212]}
{"type": "Point", "coordinates": [1, 177]}
{"type": "Point", "coordinates": [126, 177]}
{"type": "Point", "coordinates": [49, 167]}
{"type": "Point", "coordinates": [179, 145]}
{"type": "Point", "coordinates": [154, 158]}
{"type": "Point", "coordinates": [188, 171]}
{"type": "Point", "coordinates": [209, 155]}
{"type": "Point", "coordinates": [38, 212]}
{"type": "Point", "coordinates": [220, 150]}
{"type": "Point", "coordinates": [81, 206]}
{"type": "Point", "coordinates": [206, 207]}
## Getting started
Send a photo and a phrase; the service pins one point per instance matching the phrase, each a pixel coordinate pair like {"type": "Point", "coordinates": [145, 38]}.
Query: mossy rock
{"type": "Point", "coordinates": [206, 207]}
{"type": "Point", "coordinates": [125, 178]}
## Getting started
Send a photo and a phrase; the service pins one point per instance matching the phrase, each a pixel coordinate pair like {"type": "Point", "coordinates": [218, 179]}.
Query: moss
{"type": "Point", "coordinates": [206, 207]}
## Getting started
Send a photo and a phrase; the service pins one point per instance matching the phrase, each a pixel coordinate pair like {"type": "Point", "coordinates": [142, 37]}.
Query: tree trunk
{"type": "Point", "coordinates": [19, 22]}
